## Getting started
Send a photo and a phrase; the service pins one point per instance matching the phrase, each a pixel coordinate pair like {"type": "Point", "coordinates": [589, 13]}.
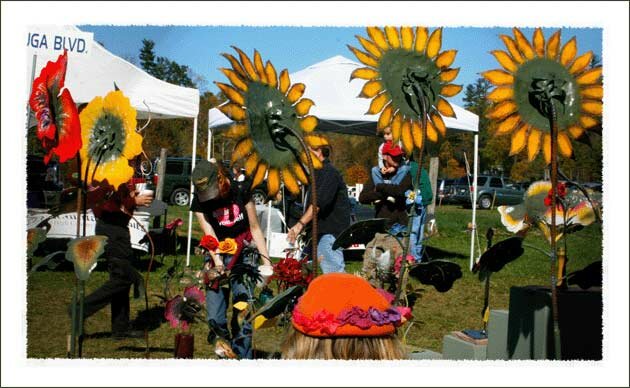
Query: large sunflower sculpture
{"type": "Point", "coordinates": [404, 70]}
{"type": "Point", "coordinates": [270, 116]}
{"type": "Point", "coordinates": [110, 140]}
{"type": "Point", "coordinates": [534, 74]}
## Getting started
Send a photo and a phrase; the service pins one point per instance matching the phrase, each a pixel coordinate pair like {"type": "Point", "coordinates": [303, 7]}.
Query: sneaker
{"type": "Point", "coordinates": [391, 199]}
{"type": "Point", "coordinates": [223, 350]}
{"type": "Point", "coordinates": [128, 334]}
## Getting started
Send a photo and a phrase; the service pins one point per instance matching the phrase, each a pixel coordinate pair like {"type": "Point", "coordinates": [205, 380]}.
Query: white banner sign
{"type": "Point", "coordinates": [39, 40]}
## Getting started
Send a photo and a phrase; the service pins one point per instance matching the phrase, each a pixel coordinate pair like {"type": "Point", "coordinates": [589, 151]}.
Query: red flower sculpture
{"type": "Point", "coordinates": [291, 272]}
{"type": "Point", "coordinates": [209, 243]}
{"type": "Point", "coordinates": [58, 125]}
{"type": "Point", "coordinates": [562, 192]}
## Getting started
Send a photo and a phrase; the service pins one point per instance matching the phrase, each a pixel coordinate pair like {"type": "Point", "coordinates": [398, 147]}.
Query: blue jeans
{"type": "Point", "coordinates": [377, 177]}
{"type": "Point", "coordinates": [216, 308]}
{"type": "Point", "coordinates": [333, 259]}
{"type": "Point", "coordinates": [417, 234]}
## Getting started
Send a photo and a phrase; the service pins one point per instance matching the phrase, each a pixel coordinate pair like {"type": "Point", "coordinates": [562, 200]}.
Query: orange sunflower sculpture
{"type": "Point", "coordinates": [404, 70]}
{"type": "Point", "coordinates": [534, 75]}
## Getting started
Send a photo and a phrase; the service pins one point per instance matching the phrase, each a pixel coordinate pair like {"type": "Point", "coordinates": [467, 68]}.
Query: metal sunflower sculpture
{"type": "Point", "coordinates": [408, 78]}
{"type": "Point", "coordinates": [544, 95]}
{"type": "Point", "coordinates": [272, 126]}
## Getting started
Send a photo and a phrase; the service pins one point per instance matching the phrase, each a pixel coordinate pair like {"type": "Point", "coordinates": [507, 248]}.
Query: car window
{"type": "Point", "coordinates": [496, 182]}
{"type": "Point", "coordinates": [481, 180]}
{"type": "Point", "coordinates": [174, 168]}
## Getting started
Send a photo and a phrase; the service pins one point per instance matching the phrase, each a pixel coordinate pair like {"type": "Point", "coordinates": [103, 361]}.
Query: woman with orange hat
{"type": "Point", "coordinates": [341, 316]}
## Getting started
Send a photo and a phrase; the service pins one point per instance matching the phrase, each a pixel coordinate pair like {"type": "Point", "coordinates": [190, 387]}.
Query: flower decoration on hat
{"type": "Point", "coordinates": [110, 139]}
{"type": "Point", "coordinates": [535, 74]}
{"type": "Point", "coordinates": [58, 126]}
{"type": "Point", "coordinates": [263, 105]}
{"type": "Point", "coordinates": [405, 68]}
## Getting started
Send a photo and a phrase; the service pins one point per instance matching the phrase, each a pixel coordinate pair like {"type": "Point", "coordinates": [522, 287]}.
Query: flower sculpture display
{"type": "Point", "coordinates": [265, 108]}
{"type": "Point", "coordinates": [110, 140]}
{"type": "Point", "coordinates": [535, 74]}
{"type": "Point", "coordinates": [227, 246]}
{"type": "Point", "coordinates": [84, 252]}
{"type": "Point", "coordinates": [58, 125]}
{"type": "Point", "coordinates": [407, 79]}
{"type": "Point", "coordinates": [182, 311]}
{"type": "Point", "coordinates": [290, 272]}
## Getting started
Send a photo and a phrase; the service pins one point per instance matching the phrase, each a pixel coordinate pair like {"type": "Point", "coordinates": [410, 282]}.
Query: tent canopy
{"type": "Point", "coordinates": [94, 75]}
{"type": "Point", "coordinates": [336, 104]}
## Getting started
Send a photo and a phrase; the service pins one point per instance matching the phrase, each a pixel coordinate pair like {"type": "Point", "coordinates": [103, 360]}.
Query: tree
{"type": "Point", "coordinates": [162, 67]}
{"type": "Point", "coordinates": [356, 174]}
{"type": "Point", "coordinates": [147, 56]}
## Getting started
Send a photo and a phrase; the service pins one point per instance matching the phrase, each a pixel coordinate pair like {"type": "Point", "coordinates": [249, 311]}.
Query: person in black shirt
{"type": "Point", "coordinates": [333, 215]}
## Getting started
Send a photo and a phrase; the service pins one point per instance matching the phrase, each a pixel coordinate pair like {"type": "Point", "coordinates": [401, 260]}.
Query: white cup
{"type": "Point", "coordinates": [147, 192]}
{"type": "Point", "coordinates": [265, 271]}
{"type": "Point", "coordinates": [140, 187]}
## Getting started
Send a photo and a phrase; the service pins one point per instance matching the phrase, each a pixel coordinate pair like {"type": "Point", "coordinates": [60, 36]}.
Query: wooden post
{"type": "Point", "coordinates": [159, 190]}
{"type": "Point", "coordinates": [434, 165]}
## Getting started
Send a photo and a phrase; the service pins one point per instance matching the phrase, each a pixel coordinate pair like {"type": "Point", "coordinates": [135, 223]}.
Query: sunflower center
{"type": "Point", "coordinates": [108, 138]}
{"type": "Point", "coordinates": [538, 84]}
{"type": "Point", "coordinates": [268, 113]}
{"type": "Point", "coordinates": [409, 76]}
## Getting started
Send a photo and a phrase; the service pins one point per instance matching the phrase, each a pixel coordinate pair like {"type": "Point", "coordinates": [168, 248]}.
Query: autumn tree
{"type": "Point", "coordinates": [356, 174]}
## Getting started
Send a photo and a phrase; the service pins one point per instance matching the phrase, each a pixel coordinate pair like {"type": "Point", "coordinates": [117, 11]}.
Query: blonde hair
{"type": "Point", "coordinates": [302, 347]}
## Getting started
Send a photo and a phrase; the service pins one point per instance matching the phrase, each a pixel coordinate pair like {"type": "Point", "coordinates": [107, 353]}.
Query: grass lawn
{"type": "Point", "coordinates": [435, 314]}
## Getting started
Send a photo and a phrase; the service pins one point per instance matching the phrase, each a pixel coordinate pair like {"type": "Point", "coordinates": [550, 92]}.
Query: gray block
{"type": "Point", "coordinates": [425, 355]}
{"type": "Point", "coordinates": [497, 335]}
{"type": "Point", "coordinates": [454, 348]}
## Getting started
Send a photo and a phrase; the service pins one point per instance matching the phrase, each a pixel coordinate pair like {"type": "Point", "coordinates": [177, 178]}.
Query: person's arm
{"type": "Point", "coordinates": [205, 225]}
{"type": "Point", "coordinates": [381, 164]}
{"type": "Point", "coordinates": [368, 194]}
{"type": "Point", "coordinates": [396, 190]}
{"type": "Point", "coordinates": [299, 226]}
{"type": "Point", "coordinates": [257, 234]}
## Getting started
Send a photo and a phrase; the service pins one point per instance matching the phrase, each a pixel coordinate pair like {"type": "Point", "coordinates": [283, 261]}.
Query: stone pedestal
{"type": "Point", "coordinates": [497, 335]}
{"type": "Point", "coordinates": [454, 348]}
{"type": "Point", "coordinates": [425, 354]}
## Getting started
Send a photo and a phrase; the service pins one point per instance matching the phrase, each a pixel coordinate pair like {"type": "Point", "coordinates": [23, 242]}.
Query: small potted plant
{"type": "Point", "coordinates": [181, 312]}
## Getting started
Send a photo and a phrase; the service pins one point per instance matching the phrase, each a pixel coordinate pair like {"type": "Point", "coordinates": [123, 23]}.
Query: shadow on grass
{"type": "Point", "coordinates": [263, 355]}
{"type": "Point", "coordinates": [150, 319]}
{"type": "Point", "coordinates": [433, 253]}
{"type": "Point", "coordinates": [143, 349]}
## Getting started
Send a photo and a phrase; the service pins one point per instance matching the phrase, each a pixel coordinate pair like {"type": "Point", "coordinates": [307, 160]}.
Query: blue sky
{"type": "Point", "coordinates": [295, 48]}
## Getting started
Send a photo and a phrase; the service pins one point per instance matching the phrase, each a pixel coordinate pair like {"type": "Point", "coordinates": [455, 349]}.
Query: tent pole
{"type": "Point", "coordinates": [209, 152]}
{"type": "Point", "coordinates": [473, 232]}
{"type": "Point", "coordinates": [192, 189]}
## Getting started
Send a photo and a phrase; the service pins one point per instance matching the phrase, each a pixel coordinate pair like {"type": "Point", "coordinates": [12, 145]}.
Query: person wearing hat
{"type": "Point", "coordinates": [342, 317]}
{"type": "Point", "coordinates": [223, 211]}
{"type": "Point", "coordinates": [387, 191]}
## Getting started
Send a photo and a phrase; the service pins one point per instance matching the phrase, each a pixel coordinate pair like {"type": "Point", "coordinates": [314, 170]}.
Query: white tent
{"type": "Point", "coordinates": [338, 109]}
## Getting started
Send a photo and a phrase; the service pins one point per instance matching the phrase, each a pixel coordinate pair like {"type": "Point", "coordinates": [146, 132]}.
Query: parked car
{"type": "Point", "coordinates": [499, 190]}
{"type": "Point", "coordinates": [176, 180]}
{"type": "Point", "coordinates": [445, 190]}
{"type": "Point", "coordinates": [43, 182]}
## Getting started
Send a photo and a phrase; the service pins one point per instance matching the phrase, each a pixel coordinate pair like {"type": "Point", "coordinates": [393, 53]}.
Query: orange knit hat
{"type": "Point", "coordinates": [343, 305]}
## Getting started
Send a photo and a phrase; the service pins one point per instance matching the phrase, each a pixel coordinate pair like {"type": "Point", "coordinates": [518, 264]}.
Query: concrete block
{"type": "Point", "coordinates": [425, 354]}
{"type": "Point", "coordinates": [497, 335]}
{"type": "Point", "coordinates": [454, 348]}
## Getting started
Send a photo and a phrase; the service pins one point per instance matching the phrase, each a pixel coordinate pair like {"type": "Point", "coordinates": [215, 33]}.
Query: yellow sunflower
{"type": "Point", "coordinates": [262, 105]}
{"type": "Point", "coordinates": [110, 140]}
{"type": "Point", "coordinates": [534, 75]}
{"type": "Point", "coordinates": [404, 67]}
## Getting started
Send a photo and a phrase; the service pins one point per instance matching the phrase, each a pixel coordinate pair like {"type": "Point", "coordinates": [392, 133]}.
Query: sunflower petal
{"type": "Point", "coordinates": [512, 49]}
{"type": "Point", "coordinates": [576, 131]}
{"type": "Point", "coordinates": [587, 121]}
{"type": "Point", "coordinates": [260, 174]}
{"type": "Point", "coordinates": [533, 143]}
{"type": "Point", "coordinates": [233, 111]}
{"type": "Point", "coordinates": [594, 92]}
{"type": "Point", "coordinates": [366, 73]}
{"type": "Point", "coordinates": [438, 123]}
{"type": "Point", "coordinates": [564, 145]}
{"type": "Point", "coordinates": [392, 36]}
{"type": "Point", "coordinates": [553, 44]}
{"type": "Point", "coordinates": [242, 149]}
{"type": "Point", "coordinates": [371, 89]}
{"type": "Point", "coordinates": [519, 139]}
{"type": "Point", "coordinates": [235, 79]}
{"type": "Point", "coordinates": [315, 141]}
{"type": "Point", "coordinates": [237, 131]}
{"type": "Point", "coordinates": [270, 73]}
{"type": "Point", "coordinates": [445, 59]}
{"type": "Point", "coordinates": [247, 64]}
{"type": "Point", "coordinates": [378, 37]}
{"type": "Point", "coordinates": [317, 164]}
{"type": "Point", "coordinates": [369, 46]}
{"type": "Point", "coordinates": [449, 90]}
{"type": "Point", "coordinates": [377, 104]}
{"type": "Point", "coordinates": [498, 77]}
{"type": "Point", "coordinates": [539, 42]}
{"type": "Point", "coordinates": [416, 133]}
{"type": "Point", "coordinates": [501, 94]}
{"type": "Point", "coordinates": [260, 68]}
{"type": "Point", "coordinates": [592, 107]}
{"type": "Point", "coordinates": [299, 173]}
{"type": "Point", "coordinates": [505, 60]}
{"type": "Point", "coordinates": [422, 35]}
{"type": "Point", "coordinates": [273, 182]}
{"type": "Point", "coordinates": [546, 147]}
{"type": "Point", "coordinates": [385, 118]}
{"type": "Point", "coordinates": [285, 81]}
{"type": "Point", "coordinates": [435, 43]}
{"type": "Point", "coordinates": [431, 132]}
{"type": "Point", "coordinates": [444, 108]}
{"type": "Point", "coordinates": [523, 44]}
{"type": "Point", "coordinates": [295, 92]}
{"type": "Point", "coordinates": [231, 93]}
{"type": "Point", "coordinates": [289, 181]}
{"type": "Point", "coordinates": [507, 125]}
{"type": "Point", "coordinates": [235, 64]}
{"type": "Point", "coordinates": [502, 109]}
{"type": "Point", "coordinates": [568, 52]}
{"type": "Point", "coordinates": [251, 163]}
{"type": "Point", "coordinates": [406, 35]}
{"type": "Point", "coordinates": [581, 63]}
{"type": "Point", "coordinates": [407, 139]}
{"type": "Point", "coordinates": [303, 106]}
{"type": "Point", "coordinates": [308, 123]}
{"type": "Point", "coordinates": [449, 75]}
{"type": "Point", "coordinates": [396, 127]}
{"type": "Point", "coordinates": [365, 58]}
{"type": "Point", "coordinates": [589, 77]}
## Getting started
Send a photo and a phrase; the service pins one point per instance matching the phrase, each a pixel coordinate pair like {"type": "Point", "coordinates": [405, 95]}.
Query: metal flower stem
{"type": "Point", "coordinates": [81, 317]}
{"type": "Point", "coordinates": [554, 254]}
{"type": "Point", "coordinates": [402, 275]}
{"type": "Point", "coordinates": [311, 172]}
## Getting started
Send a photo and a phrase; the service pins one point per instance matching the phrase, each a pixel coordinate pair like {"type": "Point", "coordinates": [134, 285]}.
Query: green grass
{"type": "Point", "coordinates": [435, 314]}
